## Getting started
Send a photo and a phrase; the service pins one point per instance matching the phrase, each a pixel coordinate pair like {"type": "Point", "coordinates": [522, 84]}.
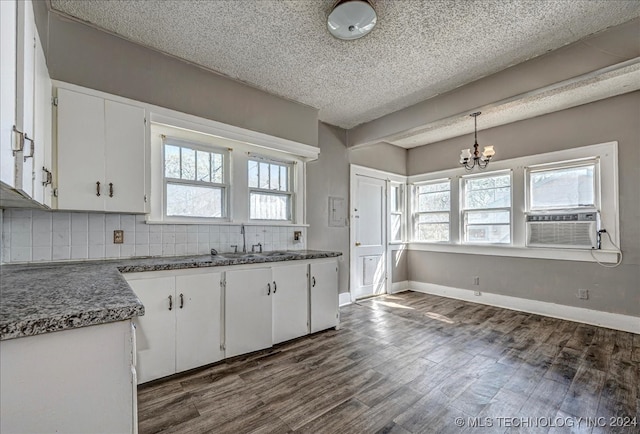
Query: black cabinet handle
{"type": "Point", "coordinates": [268, 289]}
{"type": "Point", "coordinates": [111, 189]}
{"type": "Point", "coordinates": [275, 287]}
{"type": "Point", "coordinates": [98, 188]}
{"type": "Point", "coordinates": [313, 282]}
{"type": "Point", "coordinates": [181, 301]}
{"type": "Point", "coordinates": [170, 302]}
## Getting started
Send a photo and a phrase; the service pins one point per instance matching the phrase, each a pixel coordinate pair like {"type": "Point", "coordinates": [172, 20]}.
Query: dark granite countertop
{"type": "Point", "coordinates": [48, 297]}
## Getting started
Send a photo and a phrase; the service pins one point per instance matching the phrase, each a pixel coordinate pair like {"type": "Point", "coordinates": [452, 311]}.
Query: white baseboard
{"type": "Point", "coordinates": [344, 298]}
{"type": "Point", "coordinates": [614, 321]}
{"type": "Point", "coordinates": [399, 286]}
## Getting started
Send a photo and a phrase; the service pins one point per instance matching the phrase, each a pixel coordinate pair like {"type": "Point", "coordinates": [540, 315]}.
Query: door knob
{"type": "Point", "coordinates": [357, 244]}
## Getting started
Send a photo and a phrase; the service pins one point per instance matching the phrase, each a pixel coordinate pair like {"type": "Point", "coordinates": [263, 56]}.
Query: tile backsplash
{"type": "Point", "coordinates": [42, 236]}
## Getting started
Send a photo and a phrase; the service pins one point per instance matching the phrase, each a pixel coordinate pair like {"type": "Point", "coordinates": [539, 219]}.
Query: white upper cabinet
{"type": "Point", "coordinates": [8, 21]}
{"type": "Point", "coordinates": [25, 109]}
{"type": "Point", "coordinates": [101, 151]}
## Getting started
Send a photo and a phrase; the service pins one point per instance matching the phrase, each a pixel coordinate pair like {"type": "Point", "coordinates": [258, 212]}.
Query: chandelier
{"type": "Point", "coordinates": [472, 159]}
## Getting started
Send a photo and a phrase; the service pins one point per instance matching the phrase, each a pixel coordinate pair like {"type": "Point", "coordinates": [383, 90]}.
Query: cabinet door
{"type": "Point", "coordinates": [7, 90]}
{"type": "Point", "coordinates": [324, 295]}
{"type": "Point", "coordinates": [81, 144]}
{"type": "Point", "coordinates": [156, 330]}
{"type": "Point", "coordinates": [124, 130]}
{"type": "Point", "coordinates": [42, 128]}
{"type": "Point", "coordinates": [25, 85]}
{"type": "Point", "coordinates": [198, 320]}
{"type": "Point", "coordinates": [290, 302]}
{"type": "Point", "coordinates": [247, 311]}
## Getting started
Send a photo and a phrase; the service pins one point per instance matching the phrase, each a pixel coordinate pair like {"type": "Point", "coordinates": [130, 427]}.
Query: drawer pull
{"type": "Point", "coordinates": [98, 188]}
{"type": "Point", "coordinates": [170, 302]}
{"type": "Point", "coordinates": [181, 301]}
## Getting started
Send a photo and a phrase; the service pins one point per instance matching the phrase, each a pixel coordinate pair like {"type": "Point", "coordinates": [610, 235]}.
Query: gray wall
{"type": "Point", "coordinates": [83, 55]}
{"type": "Point", "coordinates": [329, 176]}
{"type": "Point", "coordinates": [614, 290]}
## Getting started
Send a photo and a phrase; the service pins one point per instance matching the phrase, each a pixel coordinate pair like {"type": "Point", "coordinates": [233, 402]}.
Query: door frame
{"type": "Point", "coordinates": [355, 171]}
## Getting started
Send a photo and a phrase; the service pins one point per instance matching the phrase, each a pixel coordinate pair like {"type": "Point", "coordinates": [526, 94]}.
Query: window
{"type": "Point", "coordinates": [486, 208]}
{"type": "Point", "coordinates": [562, 187]}
{"type": "Point", "coordinates": [270, 190]}
{"type": "Point", "coordinates": [194, 181]}
{"type": "Point", "coordinates": [433, 206]}
{"type": "Point", "coordinates": [396, 209]}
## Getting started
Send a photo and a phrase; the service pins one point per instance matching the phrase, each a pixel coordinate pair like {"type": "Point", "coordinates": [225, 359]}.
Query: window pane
{"type": "Point", "coordinates": [217, 169]}
{"type": "Point", "coordinates": [264, 175]}
{"type": "Point", "coordinates": [433, 232]}
{"type": "Point", "coordinates": [440, 201]}
{"type": "Point", "coordinates": [396, 199]}
{"type": "Point", "coordinates": [487, 234]}
{"type": "Point", "coordinates": [284, 181]}
{"type": "Point", "coordinates": [432, 188]}
{"type": "Point", "coordinates": [188, 163]}
{"type": "Point", "coordinates": [563, 188]}
{"type": "Point", "coordinates": [487, 217]}
{"type": "Point", "coordinates": [253, 174]}
{"type": "Point", "coordinates": [203, 168]}
{"type": "Point", "coordinates": [171, 161]}
{"type": "Point", "coordinates": [194, 201]}
{"type": "Point", "coordinates": [396, 227]}
{"type": "Point", "coordinates": [489, 192]}
{"type": "Point", "coordinates": [274, 183]}
{"type": "Point", "coordinates": [436, 217]}
{"type": "Point", "coordinates": [269, 206]}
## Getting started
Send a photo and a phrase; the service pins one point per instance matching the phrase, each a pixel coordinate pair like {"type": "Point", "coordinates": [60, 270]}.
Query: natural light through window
{"type": "Point", "coordinates": [270, 193]}
{"type": "Point", "coordinates": [486, 210]}
{"type": "Point", "coordinates": [433, 205]}
{"type": "Point", "coordinates": [194, 182]}
{"type": "Point", "coordinates": [562, 188]}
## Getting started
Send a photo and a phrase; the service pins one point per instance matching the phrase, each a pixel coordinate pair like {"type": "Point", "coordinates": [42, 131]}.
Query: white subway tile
{"type": "Point", "coordinates": [203, 248]}
{"type": "Point", "coordinates": [192, 229]}
{"type": "Point", "coordinates": [61, 253]}
{"type": "Point", "coordinates": [20, 239]}
{"type": "Point", "coordinates": [79, 222]}
{"type": "Point", "coordinates": [79, 238]}
{"type": "Point", "coordinates": [61, 222]}
{"type": "Point", "coordinates": [127, 250]}
{"type": "Point", "coordinates": [155, 229]}
{"type": "Point", "coordinates": [79, 252]}
{"type": "Point", "coordinates": [128, 222]}
{"type": "Point", "coordinates": [61, 238]}
{"type": "Point", "coordinates": [192, 249]}
{"type": "Point", "coordinates": [96, 237]}
{"type": "Point", "coordinates": [181, 229]}
{"type": "Point", "coordinates": [181, 248]}
{"type": "Point", "coordinates": [142, 250]}
{"type": "Point", "coordinates": [155, 238]}
{"type": "Point", "coordinates": [96, 222]}
{"type": "Point", "coordinates": [155, 249]}
{"type": "Point", "coordinates": [42, 224]}
{"type": "Point", "coordinates": [168, 249]}
{"type": "Point", "coordinates": [96, 251]}
{"type": "Point", "coordinates": [43, 239]}
{"type": "Point", "coordinates": [142, 238]}
{"type": "Point", "coordinates": [168, 228]}
{"type": "Point", "coordinates": [181, 238]}
{"type": "Point", "coordinates": [20, 254]}
{"type": "Point", "coordinates": [168, 238]}
{"type": "Point", "coordinates": [192, 238]}
{"type": "Point", "coordinates": [112, 251]}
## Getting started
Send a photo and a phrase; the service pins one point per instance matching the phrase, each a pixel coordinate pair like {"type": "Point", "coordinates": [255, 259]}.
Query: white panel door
{"type": "Point", "coordinates": [8, 61]}
{"type": "Point", "coordinates": [81, 159]}
{"type": "Point", "coordinates": [42, 128]}
{"type": "Point", "coordinates": [248, 296]}
{"type": "Point", "coordinates": [198, 320]}
{"type": "Point", "coordinates": [25, 87]}
{"type": "Point", "coordinates": [125, 177]}
{"type": "Point", "coordinates": [370, 229]}
{"type": "Point", "coordinates": [290, 302]}
{"type": "Point", "coordinates": [324, 295]}
{"type": "Point", "coordinates": [156, 330]}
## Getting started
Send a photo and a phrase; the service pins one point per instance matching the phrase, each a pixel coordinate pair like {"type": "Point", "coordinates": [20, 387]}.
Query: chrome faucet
{"type": "Point", "coordinates": [244, 239]}
{"type": "Point", "coordinates": [253, 248]}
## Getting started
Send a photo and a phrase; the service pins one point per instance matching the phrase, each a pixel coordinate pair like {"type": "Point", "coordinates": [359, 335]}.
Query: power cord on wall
{"type": "Point", "coordinates": [604, 231]}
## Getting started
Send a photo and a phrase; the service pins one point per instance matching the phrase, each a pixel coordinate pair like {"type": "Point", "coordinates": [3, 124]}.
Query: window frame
{"type": "Point", "coordinates": [225, 186]}
{"type": "Point", "coordinates": [463, 210]}
{"type": "Point", "coordinates": [402, 188]}
{"type": "Point", "coordinates": [290, 192]}
{"type": "Point", "coordinates": [415, 214]}
{"type": "Point", "coordinates": [568, 164]}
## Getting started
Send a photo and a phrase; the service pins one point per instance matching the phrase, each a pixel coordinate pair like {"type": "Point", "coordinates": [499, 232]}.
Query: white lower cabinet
{"type": "Point", "coordinates": [248, 311]}
{"type": "Point", "coordinates": [324, 295]}
{"type": "Point", "coordinates": [191, 321]}
{"type": "Point", "coordinates": [180, 329]}
{"type": "Point", "coordinates": [290, 302]}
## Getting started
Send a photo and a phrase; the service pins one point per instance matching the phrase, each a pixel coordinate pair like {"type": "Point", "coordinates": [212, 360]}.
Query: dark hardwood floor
{"type": "Point", "coordinates": [414, 363]}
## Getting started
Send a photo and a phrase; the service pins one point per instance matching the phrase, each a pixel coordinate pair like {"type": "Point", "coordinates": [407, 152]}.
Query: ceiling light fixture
{"type": "Point", "coordinates": [351, 19]}
{"type": "Point", "coordinates": [472, 159]}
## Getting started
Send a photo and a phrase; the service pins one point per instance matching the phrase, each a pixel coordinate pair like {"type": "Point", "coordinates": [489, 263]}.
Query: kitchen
{"type": "Point", "coordinates": [136, 106]}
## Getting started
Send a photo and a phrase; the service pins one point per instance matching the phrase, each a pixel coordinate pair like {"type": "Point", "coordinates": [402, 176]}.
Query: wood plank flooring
{"type": "Point", "coordinates": [413, 363]}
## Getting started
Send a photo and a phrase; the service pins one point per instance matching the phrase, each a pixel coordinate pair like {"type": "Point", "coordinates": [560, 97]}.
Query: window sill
{"type": "Point", "coordinates": [604, 256]}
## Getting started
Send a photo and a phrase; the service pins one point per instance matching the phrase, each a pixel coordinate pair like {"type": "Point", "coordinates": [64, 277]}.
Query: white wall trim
{"type": "Point", "coordinates": [399, 286]}
{"type": "Point", "coordinates": [605, 256]}
{"type": "Point", "coordinates": [610, 320]}
{"type": "Point", "coordinates": [344, 298]}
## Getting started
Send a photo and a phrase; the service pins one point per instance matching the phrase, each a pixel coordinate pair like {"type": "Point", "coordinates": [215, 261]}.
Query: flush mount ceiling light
{"type": "Point", "coordinates": [351, 19]}
{"type": "Point", "coordinates": [472, 159]}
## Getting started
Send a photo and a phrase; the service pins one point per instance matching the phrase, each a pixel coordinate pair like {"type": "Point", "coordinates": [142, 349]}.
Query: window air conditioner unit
{"type": "Point", "coordinates": [569, 231]}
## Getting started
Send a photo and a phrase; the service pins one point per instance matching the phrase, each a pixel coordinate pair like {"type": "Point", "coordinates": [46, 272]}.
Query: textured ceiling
{"type": "Point", "coordinates": [418, 49]}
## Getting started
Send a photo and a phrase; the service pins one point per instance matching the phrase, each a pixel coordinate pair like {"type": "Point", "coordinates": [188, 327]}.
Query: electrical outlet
{"type": "Point", "coordinates": [583, 294]}
{"type": "Point", "coordinates": [476, 293]}
{"type": "Point", "coordinates": [118, 236]}
{"type": "Point", "coordinates": [476, 280]}
{"type": "Point", "coordinates": [297, 235]}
